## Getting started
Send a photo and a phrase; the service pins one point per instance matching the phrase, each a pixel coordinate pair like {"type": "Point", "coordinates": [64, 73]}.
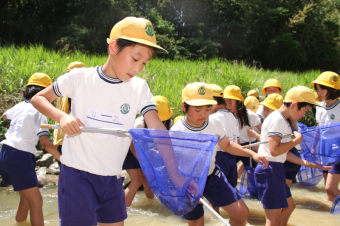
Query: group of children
{"type": "Point", "coordinates": [111, 96]}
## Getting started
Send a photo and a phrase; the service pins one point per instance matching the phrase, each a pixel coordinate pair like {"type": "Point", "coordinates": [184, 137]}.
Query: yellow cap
{"type": "Point", "coordinates": [39, 79]}
{"type": "Point", "coordinates": [75, 64]}
{"type": "Point", "coordinates": [252, 103]}
{"type": "Point", "coordinates": [271, 82]}
{"type": "Point", "coordinates": [301, 94]}
{"type": "Point", "coordinates": [198, 94]}
{"type": "Point", "coordinates": [217, 90]}
{"type": "Point", "coordinates": [233, 92]}
{"type": "Point", "coordinates": [273, 101]}
{"type": "Point", "coordinates": [135, 29]}
{"type": "Point", "coordinates": [253, 93]}
{"type": "Point", "coordinates": [328, 78]}
{"type": "Point", "coordinates": [178, 118]}
{"type": "Point", "coordinates": [163, 107]}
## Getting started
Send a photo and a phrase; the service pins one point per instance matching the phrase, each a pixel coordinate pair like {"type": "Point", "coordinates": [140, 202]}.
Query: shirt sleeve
{"type": "Point", "coordinates": [254, 120]}
{"type": "Point", "coordinates": [41, 120]}
{"type": "Point", "coordinates": [317, 115]}
{"type": "Point", "coordinates": [64, 86]}
{"type": "Point", "coordinates": [146, 104]}
{"type": "Point", "coordinates": [274, 128]}
{"type": "Point", "coordinates": [9, 113]}
{"type": "Point", "coordinates": [219, 128]}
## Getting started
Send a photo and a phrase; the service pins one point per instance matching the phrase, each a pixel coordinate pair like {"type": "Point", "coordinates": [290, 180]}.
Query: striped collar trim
{"type": "Point", "coordinates": [332, 106]}
{"type": "Point", "coordinates": [195, 129]}
{"type": "Point", "coordinates": [223, 110]}
{"type": "Point", "coordinates": [27, 101]}
{"type": "Point", "coordinates": [107, 78]}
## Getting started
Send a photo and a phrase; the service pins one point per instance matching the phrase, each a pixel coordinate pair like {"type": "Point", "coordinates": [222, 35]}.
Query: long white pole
{"type": "Point", "coordinates": [214, 212]}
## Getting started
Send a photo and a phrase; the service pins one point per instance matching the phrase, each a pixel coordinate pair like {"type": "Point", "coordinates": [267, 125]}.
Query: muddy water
{"type": "Point", "coordinates": [311, 209]}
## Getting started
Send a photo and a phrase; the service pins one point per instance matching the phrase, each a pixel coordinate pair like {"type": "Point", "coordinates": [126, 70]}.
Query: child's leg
{"type": "Point", "coordinates": [273, 217]}
{"type": "Point", "coordinates": [238, 212]}
{"type": "Point", "coordinates": [325, 175]}
{"type": "Point", "coordinates": [22, 209]}
{"type": "Point", "coordinates": [240, 169]}
{"type": "Point", "coordinates": [112, 224]}
{"type": "Point", "coordinates": [136, 182]}
{"type": "Point", "coordinates": [289, 182]}
{"type": "Point", "coordinates": [35, 203]}
{"type": "Point", "coordinates": [332, 186]}
{"type": "Point", "coordinates": [286, 212]}
{"type": "Point", "coordinates": [199, 222]}
{"type": "Point", "coordinates": [147, 190]}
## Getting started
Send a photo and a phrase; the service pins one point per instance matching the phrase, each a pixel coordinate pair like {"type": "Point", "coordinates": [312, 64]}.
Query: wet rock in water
{"type": "Point", "coordinates": [46, 160]}
{"type": "Point", "coordinates": [41, 171]}
{"type": "Point", "coordinates": [39, 155]}
{"type": "Point", "coordinates": [125, 178]}
{"type": "Point", "coordinates": [53, 169]}
{"type": "Point", "coordinates": [47, 180]}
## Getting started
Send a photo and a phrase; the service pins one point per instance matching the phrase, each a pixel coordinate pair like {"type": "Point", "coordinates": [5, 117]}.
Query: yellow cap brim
{"type": "Point", "coordinates": [291, 101]}
{"type": "Point", "coordinates": [323, 83]}
{"type": "Point", "coordinates": [268, 105]}
{"type": "Point", "coordinates": [200, 102]}
{"type": "Point", "coordinates": [144, 42]}
{"type": "Point", "coordinates": [37, 84]}
{"type": "Point", "coordinates": [232, 97]}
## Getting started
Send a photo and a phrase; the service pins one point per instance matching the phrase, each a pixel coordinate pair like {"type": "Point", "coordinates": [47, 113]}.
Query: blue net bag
{"type": "Point", "coordinates": [321, 144]}
{"type": "Point", "coordinates": [309, 176]}
{"type": "Point", "coordinates": [247, 185]}
{"type": "Point", "coordinates": [336, 205]}
{"type": "Point", "coordinates": [175, 164]}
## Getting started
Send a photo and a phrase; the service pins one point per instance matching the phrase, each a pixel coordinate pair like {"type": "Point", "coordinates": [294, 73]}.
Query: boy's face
{"type": "Point", "coordinates": [231, 105]}
{"type": "Point", "coordinates": [272, 89]}
{"type": "Point", "coordinates": [267, 111]}
{"type": "Point", "coordinates": [130, 61]}
{"type": "Point", "coordinates": [296, 114]}
{"type": "Point", "coordinates": [197, 115]}
{"type": "Point", "coordinates": [322, 93]}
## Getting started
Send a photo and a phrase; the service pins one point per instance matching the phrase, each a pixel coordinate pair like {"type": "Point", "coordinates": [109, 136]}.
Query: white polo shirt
{"type": "Point", "coordinates": [260, 112]}
{"type": "Point", "coordinates": [101, 101]}
{"type": "Point", "coordinates": [275, 125]}
{"type": "Point", "coordinates": [328, 115]}
{"type": "Point", "coordinates": [212, 126]}
{"type": "Point", "coordinates": [230, 124]}
{"type": "Point", "coordinates": [24, 131]}
{"type": "Point", "coordinates": [254, 121]}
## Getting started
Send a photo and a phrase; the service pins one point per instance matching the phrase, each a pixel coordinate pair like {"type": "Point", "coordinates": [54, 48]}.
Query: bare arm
{"type": "Point", "coordinates": [42, 102]}
{"type": "Point", "coordinates": [253, 133]}
{"type": "Point", "coordinates": [4, 116]}
{"type": "Point", "coordinates": [49, 147]}
{"type": "Point", "coordinates": [153, 121]}
{"type": "Point", "coordinates": [276, 148]}
{"type": "Point", "coordinates": [297, 160]}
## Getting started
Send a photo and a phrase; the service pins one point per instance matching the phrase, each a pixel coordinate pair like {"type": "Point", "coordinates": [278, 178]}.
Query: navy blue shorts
{"type": "Point", "coordinates": [227, 164]}
{"type": "Point", "coordinates": [217, 191]}
{"type": "Point", "coordinates": [272, 186]}
{"type": "Point", "coordinates": [130, 161]}
{"type": "Point", "coordinates": [86, 199]}
{"type": "Point", "coordinates": [17, 168]}
{"type": "Point", "coordinates": [336, 169]}
{"type": "Point", "coordinates": [292, 169]}
{"type": "Point", "coordinates": [246, 160]}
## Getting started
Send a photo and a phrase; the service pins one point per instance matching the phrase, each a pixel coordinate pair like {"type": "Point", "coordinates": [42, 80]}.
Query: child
{"type": "Point", "coordinates": [110, 96]}
{"type": "Point", "coordinates": [178, 118]}
{"type": "Point", "coordinates": [246, 119]}
{"type": "Point", "coordinates": [17, 156]}
{"type": "Point", "coordinates": [253, 93]}
{"type": "Point", "coordinates": [274, 192]}
{"type": "Point", "coordinates": [327, 86]}
{"type": "Point", "coordinates": [252, 103]}
{"type": "Point", "coordinates": [64, 104]}
{"type": "Point", "coordinates": [225, 161]}
{"type": "Point", "coordinates": [270, 86]}
{"type": "Point", "coordinates": [131, 164]}
{"type": "Point", "coordinates": [197, 100]}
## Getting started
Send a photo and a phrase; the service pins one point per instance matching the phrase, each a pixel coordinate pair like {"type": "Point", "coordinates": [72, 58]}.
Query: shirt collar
{"type": "Point", "coordinates": [107, 78]}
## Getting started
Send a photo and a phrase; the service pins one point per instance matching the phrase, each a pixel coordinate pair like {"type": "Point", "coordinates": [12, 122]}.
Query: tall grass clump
{"type": "Point", "coordinates": [165, 77]}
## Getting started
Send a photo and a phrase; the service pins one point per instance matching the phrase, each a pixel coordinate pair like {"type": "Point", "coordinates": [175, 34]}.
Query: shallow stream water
{"type": "Point", "coordinates": [311, 209]}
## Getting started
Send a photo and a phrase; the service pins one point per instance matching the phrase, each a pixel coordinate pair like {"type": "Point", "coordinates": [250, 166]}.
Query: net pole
{"type": "Point", "coordinates": [88, 129]}
{"type": "Point", "coordinates": [263, 142]}
{"type": "Point", "coordinates": [214, 212]}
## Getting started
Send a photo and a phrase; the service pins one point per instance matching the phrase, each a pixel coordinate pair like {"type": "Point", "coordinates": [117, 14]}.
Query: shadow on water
{"type": "Point", "coordinates": [311, 204]}
{"type": "Point", "coordinates": [309, 188]}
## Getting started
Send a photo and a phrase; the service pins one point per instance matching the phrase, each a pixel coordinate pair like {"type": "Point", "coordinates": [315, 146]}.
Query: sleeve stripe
{"type": "Point", "coordinates": [221, 138]}
{"type": "Point", "coordinates": [42, 133]}
{"type": "Point", "coordinates": [56, 89]}
{"type": "Point", "coordinates": [277, 134]}
{"type": "Point", "coordinates": [148, 108]}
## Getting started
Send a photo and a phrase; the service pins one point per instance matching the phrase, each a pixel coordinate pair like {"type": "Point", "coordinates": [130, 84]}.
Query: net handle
{"type": "Point", "coordinates": [263, 142]}
{"type": "Point", "coordinates": [214, 212]}
{"type": "Point", "coordinates": [87, 129]}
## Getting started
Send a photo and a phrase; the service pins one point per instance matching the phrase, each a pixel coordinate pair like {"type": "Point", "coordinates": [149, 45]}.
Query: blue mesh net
{"type": "Point", "coordinates": [175, 164]}
{"type": "Point", "coordinates": [247, 185]}
{"type": "Point", "coordinates": [321, 144]}
{"type": "Point", "coordinates": [309, 176]}
{"type": "Point", "coordinates": [336, 205]}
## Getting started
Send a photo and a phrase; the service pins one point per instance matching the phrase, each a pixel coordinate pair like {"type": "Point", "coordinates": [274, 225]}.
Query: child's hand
{"type": "Point", "coordinates": [70, 124]}
{"type": "Point", "coordinates": [251, 132]}
{"type": "Point", "coordinates": [193, 188]}
{"type": "Point", "coordinates": [261, 159]}
{"type": "Point", "coordinates": [313, 165]}
{"type": "Point", "coordinates": [297, 137]}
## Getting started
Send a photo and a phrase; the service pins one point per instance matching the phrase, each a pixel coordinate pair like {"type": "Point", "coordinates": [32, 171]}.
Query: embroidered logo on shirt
{"type": "Point", "coordinates": [125, 108]}
{"type": "Point", "coordinates": [332, 116]}
{"type": "Point", "coordinates": [149, 30]}
{"type": "Point", "coordinates": [201, 91]}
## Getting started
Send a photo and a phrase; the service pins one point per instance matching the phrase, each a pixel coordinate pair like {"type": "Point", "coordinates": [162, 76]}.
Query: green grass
{"type": "Point", "coordinates": [165, 77]}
